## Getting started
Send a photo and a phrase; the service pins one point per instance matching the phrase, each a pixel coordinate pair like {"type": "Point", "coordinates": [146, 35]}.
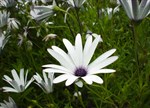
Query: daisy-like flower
{"type": "Point", "coordinates": [3, 40]}
{"type": "Point", "coordinates": [76, 3]}
{"type": "Point", "coordinates": [115, 2]}
{"type": "Point", "coordinates": [18, 84]}
{"type": "Point", "coordinates": [47, 84]}
{"type": "Point", "coordinates": [75, 64]}
{"type": "Point", "coordinates": [7, 3]}
{"type": "Point", "coordinates": [89, 33]}
{"type": "Point", "coordinates": [49, 36]}
{"type": "Point", "coordinates": [135, 10]}
{"type": "Point", "coordinates": [42, 12]}
{"type": "Point", "coordinates": [10, 104]}
{"type": "Point", "coordinates": [4, 18]}
{"type": "Point", "coordinates": [76, 94]}
{"type": "Point", "coordinates": [13, 23]}
{"type": "Point", "coordinates": [110, 11]}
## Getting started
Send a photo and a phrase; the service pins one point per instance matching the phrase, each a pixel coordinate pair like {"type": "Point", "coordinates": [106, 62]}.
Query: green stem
{"type": "Point", "coordinates": [67, 22]}
{"type": "Point", "coordinates": [78, 19]}
{"type": "Point", "coordinates": [34, 102]}
{"type": "Point", "coordinates": [135, 37]}
{"type": "Point", "coordinates": [79, 97]}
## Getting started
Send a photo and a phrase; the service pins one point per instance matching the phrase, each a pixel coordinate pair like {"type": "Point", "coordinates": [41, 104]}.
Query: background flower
{"type": "Point", "coordinates": [9, 104]}
{"type": "Point", "coordinates": [47, 84]}
{"type": "Point", "coordinates": [135, 10]}
{"type": "Point", "coordinates": [19, 84]}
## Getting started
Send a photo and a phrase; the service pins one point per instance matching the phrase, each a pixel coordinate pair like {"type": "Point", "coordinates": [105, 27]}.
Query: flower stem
{"type": "Point", "coordinates": [79, 97]}
{"type": "Point", "coordinates": [78, 19]}
{"type": "Point", "coordinates": [135, 37]}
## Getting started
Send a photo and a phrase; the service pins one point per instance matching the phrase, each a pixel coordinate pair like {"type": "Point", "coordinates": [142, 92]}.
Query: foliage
{"type": "Point", "coordinates": [128, 87]}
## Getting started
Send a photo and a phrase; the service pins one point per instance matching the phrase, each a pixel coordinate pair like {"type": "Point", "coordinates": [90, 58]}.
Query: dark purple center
{"type": "Point", "coordinates": [80, 72]}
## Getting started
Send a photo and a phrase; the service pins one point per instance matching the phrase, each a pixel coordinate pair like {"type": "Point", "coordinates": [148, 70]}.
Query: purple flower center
{"type": "Point", "coordinates": [80, 72]}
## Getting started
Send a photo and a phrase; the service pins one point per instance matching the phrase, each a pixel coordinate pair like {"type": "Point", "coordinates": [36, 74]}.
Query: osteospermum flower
{"type": "Point", "coordinates": [110, 11]}
{"type": "Point", "coordinates": [135, 10]}
{"type": "Point", "coordinates": [42, 12]}
{"type": "Point", "coordinates": [10, 104]}
{"type": "Point", "coordinates": [7, 3]}
{"type": "Point", "coordinates": [4, 18]}
{"type": "Point", "coordinates": [89, 33]}
{"type": "Point", "coordinates": [76, 3]}
{"type": "Point", "coordinates": [75, 64]}
{"type": "Point", "coordinates": [47, 84]}
{"type": "Point", "coordinates": [3, 40]}
{"type": "Point", "coordinates": [13, 23]}
{"type": "Point", "coordinates": [19, 84]}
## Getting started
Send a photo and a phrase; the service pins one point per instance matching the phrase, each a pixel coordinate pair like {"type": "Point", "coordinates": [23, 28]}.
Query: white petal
{"type": "Point", "coordinates": [22, 77]}
{"type": "Point", "coordinates": [71, 51]}
{"type": "Point", "coordinates": [9, 89]}
{"type": "Point", "coordinates": [29, 82]}
{"type": "Point", "coordinates": [15, 76]}
{"type": "Point", "coordinates": [25, 81]}
{"type": "Point", "coordinates": [64, 55]}
{"type": "Point", "coordinates": [59, 58]}
{"type": "Point", "coordinates": [70, 80]}
{"type": "Point", "coordinates": [50, 70]}
{"type": "Point", "coordinates": [102, 57]}
{"type": "Point", "coordinates": [45, 77]}
{"type": "Point", "coordinates": [78, 49]}
{"type": "Point", "coordinates": [61, 78]}
{"type": "Point", "coordinates": [37, 77]}
{"type": "Point", "coordinates": [77, 94]}
{"type": "Point", "coordinates": [96, 79]}
{"type": "Point", "coordinates": [87, 45]}
{"type": "Point", "coordinates": [128, 7]}
{"type": "Point", "coordinates": [7, 78]}
{"type": "Point", "coordinates": [87, 79]}
{"type": "Point", "coordinates": [104, 63]}
{"type": "Point", "coordinates": [102, 71]}
{"type": "Point", "coordinates": [88, 55]}
{"type": "Point", "coordinates": [56, 67]}
{"type": "Point", "coordinates": [79, 84]}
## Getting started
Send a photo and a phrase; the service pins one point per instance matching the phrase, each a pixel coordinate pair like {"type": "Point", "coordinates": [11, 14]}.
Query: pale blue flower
{"type": "Point", "coordinates": [19, 84]}
{"type": "Point", "coordinates": [110, 11]}
{"type": "Point", "coordinates": [42, 12]}
{"type": "Point", "coordinates": [135, 10]}
{"type": "Point", "coordinates": [76, 3]}
{"type": "Point", "coordinates": [4, 18]}
{"type": "Point", "coordinates": [7, 3]}
{"type": "Point", "coordinates": [10, 104]}
{"type": "Point", "coordinates": [13, 23]}
{"type": "Point", "coordinates": [3, 40]}
{"type": "Point", "coordinates": [45, 84]}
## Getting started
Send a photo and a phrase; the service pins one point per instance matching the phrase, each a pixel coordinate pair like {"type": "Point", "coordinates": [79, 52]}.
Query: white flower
{"type": "Point", "coordinates": [47, 84]}
{"type": "Point", "coordinates": [18, 84]}
{"type": "Point", "coordinates": [7, 3]}
{"type": "Point", "coordinates": [9, 104]}
{"type": "Point", "coordinates": [49, 36]}
{"type": "Point", "coordinates": [75, 64]}
{"type": "Point", "coordinates": [4, 18]}
{"type": "Point", "coordinates": [76, 3]}
{"type": "Point", "coordinates": [45, 1]}
{"type": "Point", "coordinates": [115, 2]}
{"type": "Point", "coordinates": [135, 10]}
{"type": "Point", "coordinates": [110, 11]}
{"type": "Point", "coordinates": [13, 23]}
{"type": "Point", "coordinates": [3, 40]}
{"type": "Point", "coordinates": [89, 33]}
{"type": "Point", "coordinates": [42, 12]}
{"type": "Point", "coordinates": [76, 94]}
